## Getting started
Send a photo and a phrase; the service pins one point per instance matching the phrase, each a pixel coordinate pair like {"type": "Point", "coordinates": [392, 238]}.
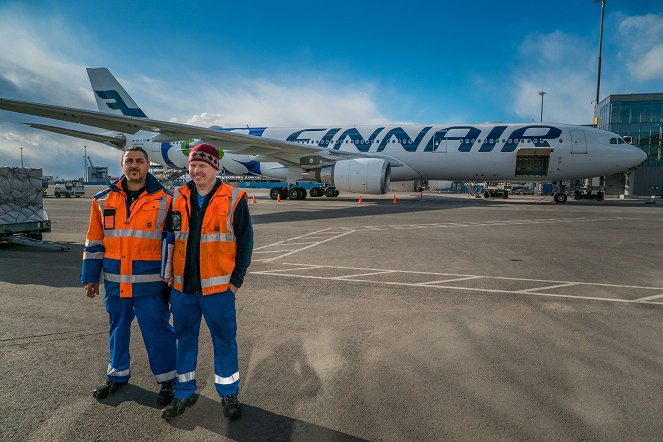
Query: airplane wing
{"type": "Point", "coordinates": [229, 141]}
{"type": "Point", "coordinates": [116, 141]}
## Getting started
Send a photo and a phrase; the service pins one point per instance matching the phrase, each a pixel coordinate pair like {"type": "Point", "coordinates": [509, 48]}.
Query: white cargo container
{"type": "Point", "coordinates": [21, 205]}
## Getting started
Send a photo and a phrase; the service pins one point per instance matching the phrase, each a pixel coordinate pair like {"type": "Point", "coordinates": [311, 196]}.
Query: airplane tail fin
{"type": "Point", "coordinates": [111, 96]}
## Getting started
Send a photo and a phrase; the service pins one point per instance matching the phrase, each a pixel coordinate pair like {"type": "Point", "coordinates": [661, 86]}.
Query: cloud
{"type": "Point", "coordinates": [641, 46]}
{"type": "Point", "coordinates": [560, 65]}
{"type": "Point", "coordinates": [263, 102]}
{"type": "Point", "coordinates": [49, 67]}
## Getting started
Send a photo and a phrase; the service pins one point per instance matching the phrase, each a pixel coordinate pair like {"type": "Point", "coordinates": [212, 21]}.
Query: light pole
{"type": "Point", "coordinates": [542, 93]}
{"type": "Point", "coordinates": [21, 158]}
{"type": "Point", "coordinates": [598, 71]}
{"type": "Point", "coordinates": [85, 163]}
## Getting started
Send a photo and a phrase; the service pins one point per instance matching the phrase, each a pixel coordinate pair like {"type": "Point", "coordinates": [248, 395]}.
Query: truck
{"type": "Point", "coordinates": [69, 189]}
{"type": "Point", "coordinates": [22, 211]}
{"type": "Point", "coordinates": [494, 190]}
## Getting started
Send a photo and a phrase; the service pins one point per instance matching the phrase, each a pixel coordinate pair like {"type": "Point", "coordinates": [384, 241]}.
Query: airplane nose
{"type": "Point", "coordinates": [638, 155]}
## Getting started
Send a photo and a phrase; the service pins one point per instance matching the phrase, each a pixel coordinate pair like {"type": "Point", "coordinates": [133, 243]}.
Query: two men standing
{"type": "Point", "coordinates": [210, 230]}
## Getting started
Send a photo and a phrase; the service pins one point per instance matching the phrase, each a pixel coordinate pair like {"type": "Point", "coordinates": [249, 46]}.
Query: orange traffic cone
{"type": "Point", "coordinates": [254, 199]}
{"type": "Point", "coordinates": [360, 200]}
{"type": "Point", "coordinates": [394, 198]}
{"type": "Point", "coordinates": [278, 198]}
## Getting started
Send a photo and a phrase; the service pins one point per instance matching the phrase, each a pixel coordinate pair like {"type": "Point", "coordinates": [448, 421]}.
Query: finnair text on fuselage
{"type": "Point", "coordinates": [420, 138]}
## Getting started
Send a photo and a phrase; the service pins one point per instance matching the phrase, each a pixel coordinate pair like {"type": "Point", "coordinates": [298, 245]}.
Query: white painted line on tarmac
{"type": "Point", "coordinates": [362, 274]}
{"type": "Point", "coordinates": [313, 235]}
{"type": "Point", "coordinates": [568, 284]}
{"type": "Point", "coordinates": [275, 251]}
{"type": "Point", "coordinates": [648, 298]}
{"type": "Point", "coordinates": [281, 269]}
{"type": "Point", "coordinates": [467, 278]}
{"type": "Point", "coordinates": [473, 289]}
{"type": "Point", "coordinates": [434, 284]}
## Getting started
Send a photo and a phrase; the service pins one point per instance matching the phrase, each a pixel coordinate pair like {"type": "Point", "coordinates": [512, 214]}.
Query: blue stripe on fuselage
{"type": "Point", "coordinates": [165, 147]}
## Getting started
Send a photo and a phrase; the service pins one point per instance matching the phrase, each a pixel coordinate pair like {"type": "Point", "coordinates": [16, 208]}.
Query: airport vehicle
{"type": "Point", "coordinates": [361, 159]}
{"type": "Point", "coordinates": [494, 190]}
{"type": "Point", "coordinates": [22, 213]}
{"type": "Point", "coordinates": [69, 189]}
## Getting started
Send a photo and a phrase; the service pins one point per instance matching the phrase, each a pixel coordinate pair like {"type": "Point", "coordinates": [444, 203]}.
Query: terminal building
{"type": "Point", "coordinates": [640, 118]}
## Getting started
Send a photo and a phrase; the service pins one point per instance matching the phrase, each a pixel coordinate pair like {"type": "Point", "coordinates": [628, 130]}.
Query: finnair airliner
{"type": "Point", "coordinates": [360, 159]}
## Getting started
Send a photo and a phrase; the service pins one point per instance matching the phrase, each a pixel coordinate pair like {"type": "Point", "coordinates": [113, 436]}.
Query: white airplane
{"type": "Point", "coordinates": [360, 159]}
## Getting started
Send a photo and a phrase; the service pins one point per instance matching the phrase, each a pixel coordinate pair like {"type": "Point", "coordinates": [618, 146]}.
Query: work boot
{"type": "Point", "coordinates": [178, 406]}
{"type": "Point", "coordinates": [167, 392]}
{"type": "Point", "coordinates": [231, 408]}
{"type": "Point", "coordinates": [108, 388]}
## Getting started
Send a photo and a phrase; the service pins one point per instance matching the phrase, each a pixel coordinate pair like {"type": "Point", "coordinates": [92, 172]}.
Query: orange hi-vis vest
{"type": "Point", "coordinates": [126, 246]}
{"type": "Point", "coordinates": [217, 238]}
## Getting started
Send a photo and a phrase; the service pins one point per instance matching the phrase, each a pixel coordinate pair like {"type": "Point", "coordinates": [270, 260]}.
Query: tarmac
{"type": "Point", "coordinates": [440, 317]}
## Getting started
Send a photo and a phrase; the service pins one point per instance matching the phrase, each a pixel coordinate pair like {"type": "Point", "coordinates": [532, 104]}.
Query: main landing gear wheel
{"type": "Point", "coordinates": [331, 192]}
{"type": "Point", "coordinates": [560, 198]}
{"type": "Point", "coordinates": [297, 193]}
{"type": "Point", "coordinates": [317, 192]}
{"type": "Point", "coordinates": [274, 192]}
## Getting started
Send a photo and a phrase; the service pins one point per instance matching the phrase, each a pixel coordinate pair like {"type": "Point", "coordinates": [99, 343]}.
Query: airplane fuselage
{"type": "Point", "coordinates": [481, 152]}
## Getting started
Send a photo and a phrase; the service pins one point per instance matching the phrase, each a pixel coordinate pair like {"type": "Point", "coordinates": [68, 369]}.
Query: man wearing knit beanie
{"type": "Point", "coordinates": [211, 237]}
{"type": "Point", "coordinates": [206, 153]}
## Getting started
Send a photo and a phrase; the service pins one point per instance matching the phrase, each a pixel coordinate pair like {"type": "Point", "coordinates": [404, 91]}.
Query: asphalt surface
{"type": "Point", "coordinates": [442, 318]}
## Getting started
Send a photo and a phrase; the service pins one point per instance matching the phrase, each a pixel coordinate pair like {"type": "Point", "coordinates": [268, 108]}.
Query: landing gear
{"type": "Point", "coordinates": [317, 192]}
{"type": "Point", "coordinates": [331, 192]}
{"type": "Point", "coordinates": [560, 198]}
{"type": "Point", "coordinates": [274, 192]}
{"type": "Point", "coordinates": [297, 193]}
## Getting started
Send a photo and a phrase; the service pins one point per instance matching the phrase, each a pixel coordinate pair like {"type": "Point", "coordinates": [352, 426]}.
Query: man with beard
{"type": "Point", "coordinates": [124, 240]}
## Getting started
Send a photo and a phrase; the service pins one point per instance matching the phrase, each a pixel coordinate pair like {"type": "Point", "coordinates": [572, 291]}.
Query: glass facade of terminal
{"type": "Point", "coordinates": [638, 116]}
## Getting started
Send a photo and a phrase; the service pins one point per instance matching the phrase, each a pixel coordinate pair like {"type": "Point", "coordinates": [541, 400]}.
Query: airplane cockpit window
{"type": "Point", "coordinates": [613, 140]}
{"type": "Point", "coordinates": [621, 141]}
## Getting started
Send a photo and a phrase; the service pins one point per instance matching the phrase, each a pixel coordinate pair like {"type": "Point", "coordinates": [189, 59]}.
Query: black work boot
{"type": "Point", "coordinates": [167, 392]}
{"type": "Point", "coordinates": [178, 406]}
{"type": "Point", "coordinates": [231, 407]}
{"type": "Point", "coordinates": [110, 387]}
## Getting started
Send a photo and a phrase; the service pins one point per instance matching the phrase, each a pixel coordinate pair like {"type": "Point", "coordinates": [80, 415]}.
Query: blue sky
{"type": "Point", "coordinates": [305, 63]}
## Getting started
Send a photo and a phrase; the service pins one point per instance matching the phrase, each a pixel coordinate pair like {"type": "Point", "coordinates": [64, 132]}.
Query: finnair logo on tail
{"type": "Point", "coordinates": [119, 104]}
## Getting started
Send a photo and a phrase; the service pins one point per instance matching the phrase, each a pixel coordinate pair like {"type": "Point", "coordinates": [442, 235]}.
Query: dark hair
{"type": "Point", "coordinates": [135, 149]}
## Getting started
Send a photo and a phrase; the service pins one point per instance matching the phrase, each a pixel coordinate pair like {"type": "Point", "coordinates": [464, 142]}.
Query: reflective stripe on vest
{"type": "Point", "coordinates": [217, 280]}
{"type": "Point", "coordinates": [206, 237]}
{"type": "Point", "coordinates": [114, 277]}
{"type": "Point", "coordinates": [133, 233]}
{"type": "Point", "coordinates": [163, 211]}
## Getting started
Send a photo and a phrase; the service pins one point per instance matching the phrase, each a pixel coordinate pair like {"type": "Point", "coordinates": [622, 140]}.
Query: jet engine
{"type": "Point", "coordinates": [362, 175]}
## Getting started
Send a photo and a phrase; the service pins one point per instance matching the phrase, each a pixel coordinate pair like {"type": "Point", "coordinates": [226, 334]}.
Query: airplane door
{"type": "Point", "coordinates": [439, 143]}
{"type": "Point", "coordinates": [578, 142]}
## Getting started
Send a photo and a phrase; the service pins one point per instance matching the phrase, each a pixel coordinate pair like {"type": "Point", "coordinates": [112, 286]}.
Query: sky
{"type": "Point", "coordinates": [294, 63]}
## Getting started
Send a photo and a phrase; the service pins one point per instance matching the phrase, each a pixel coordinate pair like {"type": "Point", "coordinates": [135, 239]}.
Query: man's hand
{"type": "Point", "coordinates": [91, 289]}
{"type": "Point", "coordinates": [168, 280]}
{"type": "Point", "coordinates": [233, 288]}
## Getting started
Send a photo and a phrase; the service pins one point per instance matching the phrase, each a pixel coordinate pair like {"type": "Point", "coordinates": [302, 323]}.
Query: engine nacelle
{"type": "Point", "coordinates": [362, 175]}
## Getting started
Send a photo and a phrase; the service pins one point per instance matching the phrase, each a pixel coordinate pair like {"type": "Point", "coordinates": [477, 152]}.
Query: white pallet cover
{"type": "Point", "coordinates": [21, 195]}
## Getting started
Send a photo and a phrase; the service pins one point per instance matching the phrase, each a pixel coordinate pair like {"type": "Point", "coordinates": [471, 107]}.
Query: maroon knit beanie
{"type": "Point", "coordinates": [207, 153]}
